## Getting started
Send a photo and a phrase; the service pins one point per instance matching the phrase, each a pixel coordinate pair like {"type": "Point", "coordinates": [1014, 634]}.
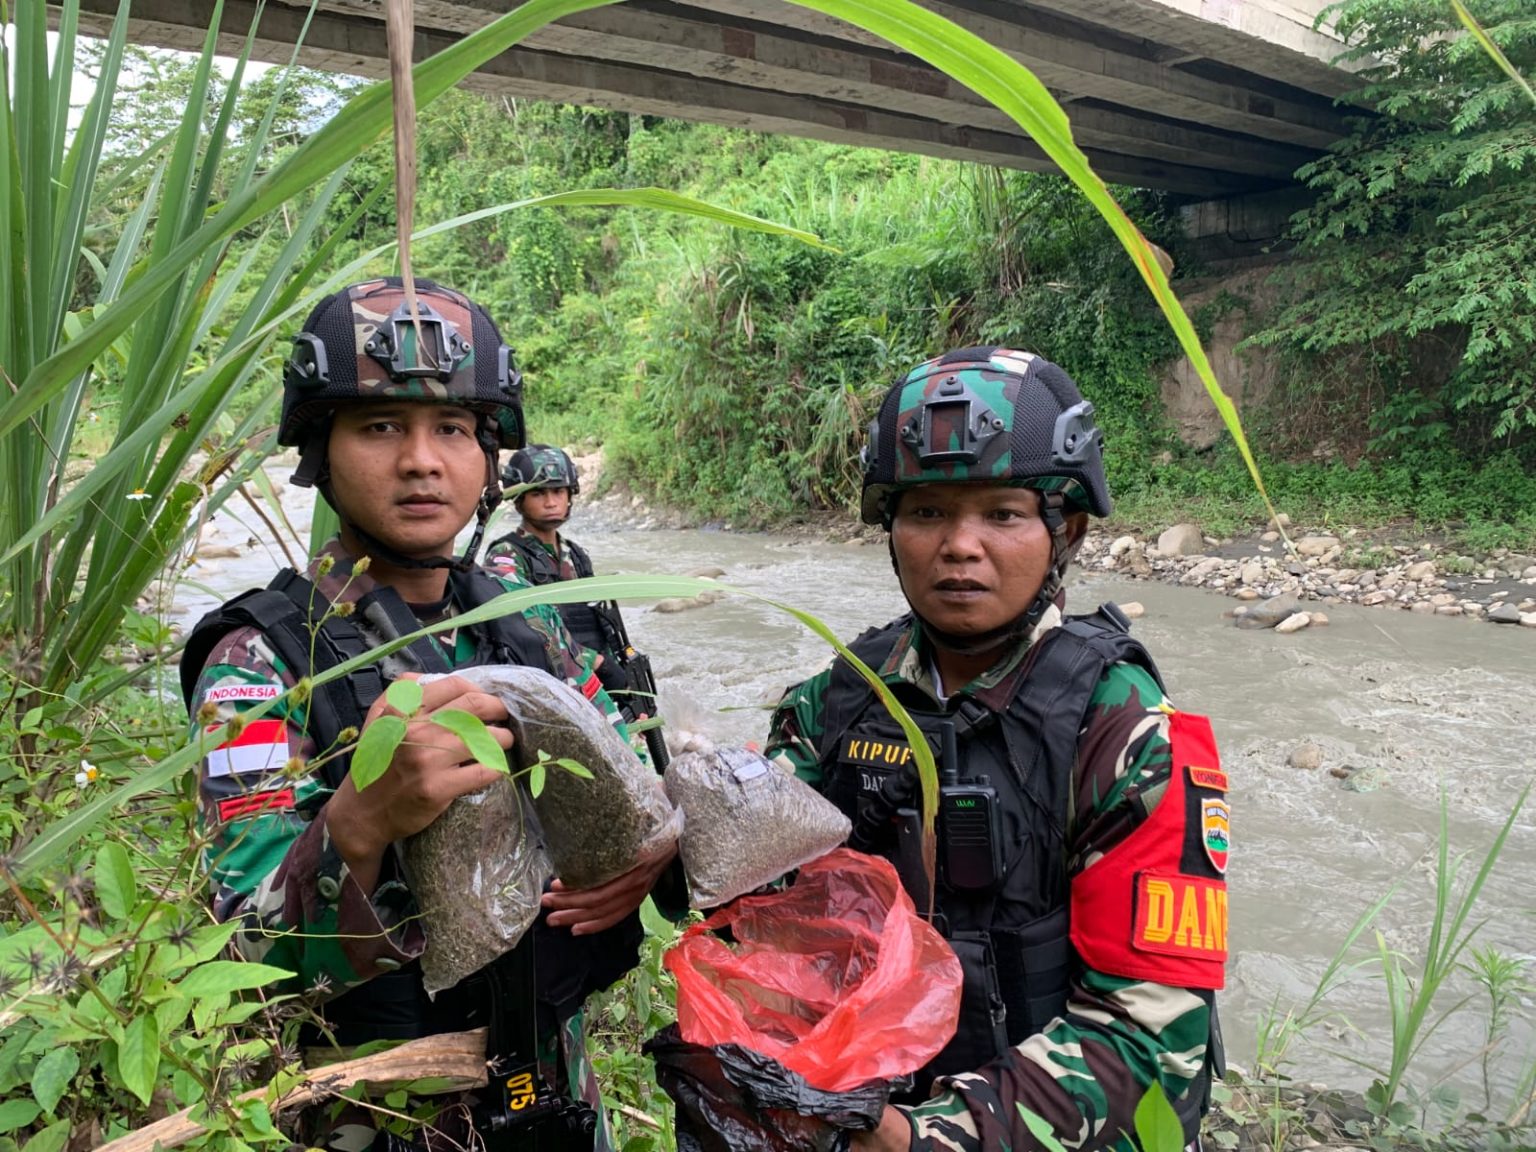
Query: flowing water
{"type": "Point", "coordinates": [1440, 709]}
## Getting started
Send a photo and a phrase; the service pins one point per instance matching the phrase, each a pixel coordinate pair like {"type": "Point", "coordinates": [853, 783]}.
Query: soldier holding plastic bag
{"type": "Point", "coordinates": [1083, 819]}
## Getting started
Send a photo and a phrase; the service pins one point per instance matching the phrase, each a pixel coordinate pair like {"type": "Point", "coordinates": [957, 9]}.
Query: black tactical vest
{"type": "Point", "coordinates": [1012, 939]}
{"type": "Point", "coordinates": [591, 625]}
{"type": "Point", "coordinates": [394, 1005]}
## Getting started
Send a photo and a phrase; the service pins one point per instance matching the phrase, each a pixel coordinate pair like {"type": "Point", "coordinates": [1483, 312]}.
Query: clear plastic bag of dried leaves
{"type": "Point", "coordinates": [477, 873]}
{"type": "Point", "coordinates": [594, 828]}
{"type": "Point", "coordinates": [746, 822]}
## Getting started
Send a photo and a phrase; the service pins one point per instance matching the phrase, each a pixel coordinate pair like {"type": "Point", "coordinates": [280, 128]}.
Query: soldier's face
{"type": "Point", "coordinates": [409, 474]}
{"type": "Point", "coordinates": [970, 557]}
{"type": "Point", "coordinates": [547, 507]}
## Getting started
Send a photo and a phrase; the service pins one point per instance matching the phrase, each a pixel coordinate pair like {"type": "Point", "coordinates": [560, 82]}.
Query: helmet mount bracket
{"type": "Point", "coordinates": [952, 428]}
{"type": "Point", "coordinates": [436, 356]}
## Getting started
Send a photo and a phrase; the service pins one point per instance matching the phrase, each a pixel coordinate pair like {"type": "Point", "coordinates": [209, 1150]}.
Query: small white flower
{"type": "Point", "coordinates": [86, 775]}
{"type": "Point", "coordinates": [138, 494]}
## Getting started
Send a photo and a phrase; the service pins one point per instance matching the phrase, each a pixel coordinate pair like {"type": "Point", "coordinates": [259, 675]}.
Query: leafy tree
{"type": "Point", "coordinates": [1421, 244]}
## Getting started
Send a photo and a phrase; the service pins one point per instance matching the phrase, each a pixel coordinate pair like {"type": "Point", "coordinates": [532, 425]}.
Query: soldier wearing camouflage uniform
{"type": "Point", "coordinates": [1083, 823]}
{"type": "Point", "coordinates": [400, 428]}
{"type": "Point", "coordinates": [537, 553]}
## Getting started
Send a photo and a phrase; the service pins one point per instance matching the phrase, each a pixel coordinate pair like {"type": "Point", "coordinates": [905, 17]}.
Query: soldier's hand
{"type": "Point", "coordinates": [429, 770]}
{"type": "Point", "coordinates": [589, 910]}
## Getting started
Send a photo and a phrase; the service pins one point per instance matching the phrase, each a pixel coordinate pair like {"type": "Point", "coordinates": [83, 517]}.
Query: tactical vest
{"type": "Point", "coordinates": [394, 1005]}
{"type": "Point", "coordinates": [1013, 938]}
{"type": "Point", "coordinates": [591, 625]}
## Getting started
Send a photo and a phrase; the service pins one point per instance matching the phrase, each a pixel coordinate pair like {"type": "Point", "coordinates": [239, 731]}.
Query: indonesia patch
{"type": "Point", "coordinates": [256, 803]}
{"type": "Point", "coordinates": [262, 746]}
{"type": "Point", "coordinates": [1216, 831]}
{"type": "Point", "coordinates": [242, 693]}
{"type": "Point", "coordinates": [1179, 915]}
{"type": "Point", "coordinates": [1213, 778]}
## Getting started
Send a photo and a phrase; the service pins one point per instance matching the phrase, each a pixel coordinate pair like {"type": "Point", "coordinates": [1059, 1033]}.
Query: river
{"type": "Point", "coordinates": [1440, 709]}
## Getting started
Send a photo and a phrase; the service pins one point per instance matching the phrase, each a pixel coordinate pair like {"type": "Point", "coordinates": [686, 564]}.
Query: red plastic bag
{"type": "Point", "coordinates": [836, 977]}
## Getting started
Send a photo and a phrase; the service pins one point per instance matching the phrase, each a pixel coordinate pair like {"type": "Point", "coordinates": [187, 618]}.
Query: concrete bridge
{"type": "Point", "coordinates": [1210, 99]}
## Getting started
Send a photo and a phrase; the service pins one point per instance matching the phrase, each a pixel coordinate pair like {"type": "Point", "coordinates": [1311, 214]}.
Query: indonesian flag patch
{"type": "Point", "coordinates": [261, 747]}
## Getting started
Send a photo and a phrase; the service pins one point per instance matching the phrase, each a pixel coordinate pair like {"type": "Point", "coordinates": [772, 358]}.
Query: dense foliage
{"type": "Point", "coordinates": [1415, 303]}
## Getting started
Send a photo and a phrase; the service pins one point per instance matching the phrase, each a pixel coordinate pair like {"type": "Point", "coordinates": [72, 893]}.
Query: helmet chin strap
{"type": "Point", "coordinates": [1063, 549]}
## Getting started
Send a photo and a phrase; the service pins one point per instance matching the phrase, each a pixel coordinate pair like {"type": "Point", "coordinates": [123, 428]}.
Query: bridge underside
{"type": "Point", "coordinates": [1205, 98]}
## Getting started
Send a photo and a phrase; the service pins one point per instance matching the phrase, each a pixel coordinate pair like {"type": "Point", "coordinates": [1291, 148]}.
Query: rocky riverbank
{"type": "Point", "coordinates": [1289, 588]}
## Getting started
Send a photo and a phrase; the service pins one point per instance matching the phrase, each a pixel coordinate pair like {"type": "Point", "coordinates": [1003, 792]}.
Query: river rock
{"type": "Point", "coordinates": [1269, 537]}
{"type": "Point", "coordinates": [1122, 545]}
{"type": "Point", "coordinates": [1248, 593]}
{"type": "Point", "coordinates": [1315, 545]}
{"type": "Point", "coordinates": [705, 573]}
{"type": "Point", "coordinates": [1504, 614]}
{"type": "Point", "coordinates": [1423, 570]}
{"type": "Point", "coordinates": [1181, 540]}
{"type": "Point", "coordinates": [1268, 613]}
{"type": "Point", "coordinates": [1528, 619]}
{"type": "Point", "coordinates": [1519, 565]}
{"type": "Point", "coordinates": [218, 552]}
{"type": "Point", "coordinates": [1201, 570]}
{"type": "Point", "coordinates": [1529, 575]}
{"type": "Point", "coordinates": [1449, 610]}
{"type": "Point", "coordinates": [1422, 607]}
{"type": "Point", "coordinates": [1133, 609]}
{"type": "Point", "coordinates": [1306, 756]}
{"type": "Point", "coordinates": [1280, 520]}
{"type": "Point", "coordinates": [1371, 599]}
{"type": "Point", "coordinates": [1295, 622]}
{"type": "Point", "coordinates": [1319, 619]}
{"type": "Point", "coordinates": [1365, 779]}
{"type": "Point", "coordinates": [1251, 572]}
{"type": "Point", "coordinates": [684, 603]}
{"type": "Point", "coordinates": [854, 542]}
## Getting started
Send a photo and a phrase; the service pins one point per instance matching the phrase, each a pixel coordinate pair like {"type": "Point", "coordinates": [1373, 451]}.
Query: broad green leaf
{"type": "Point", "coordinates": [54, 1138]}
{"type": "Point", "coordinates": [375, 749]}
{"type": "Point", "coordinates": [575, 768]}
{"type": "Point", "coordinates": [1157, 1125]}
{"type": "Point", "coordinates": [219, 977]}
{"type": "Point", "coordinates": [536, 779]}
{"type": "Point", "coordinates": [16, 1114]}
{"type": "Point", "coordinates": [475, 735]}
{"type": "Point", "coordinates": [52, 1076]}
{"type": "Point", "coordinates": [115, 883]}
{"type": "Point", "coordinates": [138, 1057]}
{"type": "Point", "coordinates": [204, 944]}
{"type": "Point", "coordinates": [404, 696]}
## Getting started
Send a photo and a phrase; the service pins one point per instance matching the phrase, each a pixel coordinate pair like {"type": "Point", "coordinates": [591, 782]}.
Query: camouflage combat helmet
{"type": "Point", "coordinates": [361, 344]}
{"type": "Point", "coordinates": [541, 466]}
{"type": "Point", "coordinates": [985, 415]}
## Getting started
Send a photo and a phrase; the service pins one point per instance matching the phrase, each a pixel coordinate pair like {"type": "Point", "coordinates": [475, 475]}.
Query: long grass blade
{"type": "Point", "coordinates": [1480, 34]}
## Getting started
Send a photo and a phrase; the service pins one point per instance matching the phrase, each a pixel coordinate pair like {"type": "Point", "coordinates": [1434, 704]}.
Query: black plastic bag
{"type": "Point", "coordinates": [731, 1099]}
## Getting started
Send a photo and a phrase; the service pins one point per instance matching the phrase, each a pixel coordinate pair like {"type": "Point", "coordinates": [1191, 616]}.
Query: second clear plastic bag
{"type": "Point", "coordinates": [746, 822]}
{"type": "Point", "coordinates": [596, 828]}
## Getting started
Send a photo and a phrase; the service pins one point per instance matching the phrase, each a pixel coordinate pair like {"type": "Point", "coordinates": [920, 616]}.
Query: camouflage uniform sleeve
{"type": "Point", "coordinates": [268, 857]}
{"type": "Point", "coordinates": [796, 727]}
{"type": "Point", "coordinates": [1088, 1070]}
{"type": "Point", "coordinates": [508, 563]}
